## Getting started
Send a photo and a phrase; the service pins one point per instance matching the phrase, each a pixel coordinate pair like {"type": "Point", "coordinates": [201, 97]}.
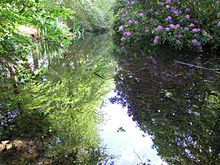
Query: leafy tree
{"type": "Point", "coordinates": [46, 16]}
{"type": "Point", "coordinates": [91, 15]}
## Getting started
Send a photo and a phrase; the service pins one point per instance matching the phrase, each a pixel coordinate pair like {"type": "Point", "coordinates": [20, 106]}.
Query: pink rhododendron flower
{"type": "Point", "coordinates": [130, 22]}
{"type": "Point", "coordinates": [141, 14]}
{"type": "Point", "coordinates": [177, 25]}
{"type": "Point", "coordinates": [173, 8]}
{"type": "Point", "coordinates": [168, 1]}
{"type": "Point", "coordinates": [196, 42]}
{"type": "Point", "coordinates": [186, 28]}
{"type": "Point", "coordinates": [159, 28]}
{"type": "Point", "coordinates": [156, 39]}
{"type": "Point", "coordinates": [195, 30]}
{"type": "Point", "coordinates": [169, 18]}
{"type": "Point", "coordinates": [172, 26]}
{"type": "Point", "coordinates": [176, 12]}
{"type": "Point", "coordinates": [126, 34]}
{"type": "Point", "coordinates": [188, 9]}
{"type": "Point", "coordinates": [191, 25]}
{"type": "Point", "coordinates": [187, 16]}
{"type": "Point", "coordinates": [167, 29]}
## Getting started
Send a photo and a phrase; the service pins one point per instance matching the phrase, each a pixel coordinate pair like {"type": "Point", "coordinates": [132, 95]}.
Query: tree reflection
{"type": "Point", "coordinates": [178, 105]}
{"type": "Point", "coordinates": [58, 96]}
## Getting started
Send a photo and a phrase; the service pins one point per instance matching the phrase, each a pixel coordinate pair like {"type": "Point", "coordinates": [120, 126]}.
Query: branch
{"type": "Point", "coordinates": [138, 157]}
{"type": "Point", "coordinates": [198, 67]}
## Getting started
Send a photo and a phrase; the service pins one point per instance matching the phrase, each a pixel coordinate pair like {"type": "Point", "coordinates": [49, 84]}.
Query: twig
{"type": "Point", "coordinates": [138, 157]}
{"type": "Point", "coordinates": [199, 67]}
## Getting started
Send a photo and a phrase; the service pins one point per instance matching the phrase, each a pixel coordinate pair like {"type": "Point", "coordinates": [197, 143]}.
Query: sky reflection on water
{"type": "Point", "coordinates": [127, 146]}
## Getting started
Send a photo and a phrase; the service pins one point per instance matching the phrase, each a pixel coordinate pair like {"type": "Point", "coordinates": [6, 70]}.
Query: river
{"type": "Point", "coordinates": [161, 108]}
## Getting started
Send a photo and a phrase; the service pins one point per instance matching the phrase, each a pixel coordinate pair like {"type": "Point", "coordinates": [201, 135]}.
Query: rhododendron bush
{"type": "Point", "coordinates": [185, 25]}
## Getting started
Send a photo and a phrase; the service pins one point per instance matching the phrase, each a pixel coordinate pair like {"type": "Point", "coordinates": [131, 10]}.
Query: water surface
{"type": "Point", "coordinates": [164, 108]}
{"type": "Point", "coordinates": [124, 139]}
{"type": "Point", "coordinates": [175, 98]}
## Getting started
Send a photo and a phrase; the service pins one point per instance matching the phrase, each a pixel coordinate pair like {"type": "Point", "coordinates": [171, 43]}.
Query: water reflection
{"type": "Point", "coordinates": [176, 101]}
{"type": "Point", "coordinates": [55, 102]}
{"type": "Point", "coordinates": [124, 140]}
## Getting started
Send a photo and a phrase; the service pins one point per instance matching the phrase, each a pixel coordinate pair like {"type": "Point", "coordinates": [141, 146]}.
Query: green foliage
{"type": "Point", "coordinates": [54, 100]}
{"type": "Point", "coordinates": [92, 15]}
{"type": "Point", "coordinates": [45, 16]}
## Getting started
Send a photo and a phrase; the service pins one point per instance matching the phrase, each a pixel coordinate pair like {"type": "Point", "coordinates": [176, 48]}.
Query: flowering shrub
{"type": "Point", "coordinates": [178, 24]}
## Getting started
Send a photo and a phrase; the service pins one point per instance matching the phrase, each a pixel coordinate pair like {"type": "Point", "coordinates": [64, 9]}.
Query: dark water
{"type": "Point", "coordinates": [173, 98]}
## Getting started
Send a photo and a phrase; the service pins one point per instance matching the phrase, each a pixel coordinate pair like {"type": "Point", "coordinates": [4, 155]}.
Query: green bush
{"type": "Point", "coordinates": [45, 16]}
{"type": "Point", "coordinates": [183, 25]}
